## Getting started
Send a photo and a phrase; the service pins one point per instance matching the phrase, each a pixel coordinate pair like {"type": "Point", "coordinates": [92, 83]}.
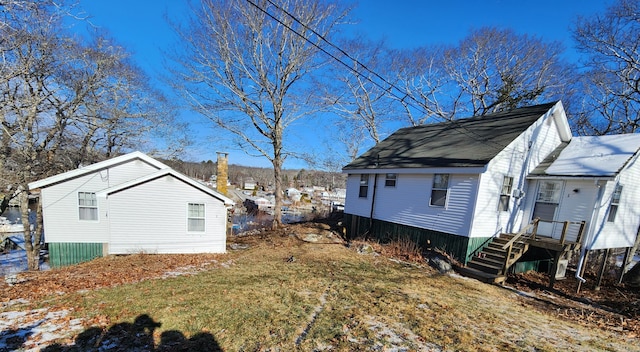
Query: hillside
{"type": "Point", "coordinates": [297, 288]}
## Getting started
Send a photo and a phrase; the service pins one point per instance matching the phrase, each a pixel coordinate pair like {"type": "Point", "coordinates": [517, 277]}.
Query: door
{"type": "Point", "coordinates": [546, 207]}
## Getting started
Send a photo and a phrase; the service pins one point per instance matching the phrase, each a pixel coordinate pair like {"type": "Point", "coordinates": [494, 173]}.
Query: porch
{"type": "Point", "coordinates": [492, 261]}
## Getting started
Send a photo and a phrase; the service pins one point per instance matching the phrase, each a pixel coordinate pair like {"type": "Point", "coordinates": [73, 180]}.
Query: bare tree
{"type": "Point", "coordinates": [246, 66]}
{"type": "Point", "coordinates": [62, 104]}
{"type": "Point", "coordinates": [490, 70]}
{"type": "Point", "coordinates": [360, 97]}
{"type": "Point", "coordinates": [612, 81]}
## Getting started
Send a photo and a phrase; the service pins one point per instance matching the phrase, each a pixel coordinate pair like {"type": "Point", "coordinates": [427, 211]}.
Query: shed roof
{"type": "Point", "coordinates": [470, 142]}
{"type": "Point", "coordinates": [596, 156]}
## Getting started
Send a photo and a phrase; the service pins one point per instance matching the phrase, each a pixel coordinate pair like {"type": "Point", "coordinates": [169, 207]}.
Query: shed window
{"type": "Point", "coordinates": [505, 193]}
{"type": "Point", "coordinates": [440, 190]}
{"type": "Point", "coordinates": [195, 218]}
{"type": "Point", "coordinates": [615, 201]}
{"type": "Point", "coordinates": [364, 186]}
{"type": "Point", "coordinates": [390, 181]}
{"type": "Point", "coordinates": [87, 206]}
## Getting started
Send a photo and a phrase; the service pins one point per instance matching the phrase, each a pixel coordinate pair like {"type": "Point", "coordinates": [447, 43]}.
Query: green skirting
{"type": "Point", "coordinates": [459, 247]}
{"type": "Point", "coordinates": [63, 254]}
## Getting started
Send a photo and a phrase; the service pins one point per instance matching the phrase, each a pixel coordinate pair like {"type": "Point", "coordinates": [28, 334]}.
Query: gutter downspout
{"type": "Point", "coordinates": [373, 201]}
{"type": "Point", "coordinates": [588, 238]}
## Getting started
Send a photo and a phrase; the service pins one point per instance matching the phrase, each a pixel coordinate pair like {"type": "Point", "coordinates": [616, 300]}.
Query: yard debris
{"type": "Point", "coordinates": [239, 246]}
{"type": "Point", "coordinates": [440, 262]}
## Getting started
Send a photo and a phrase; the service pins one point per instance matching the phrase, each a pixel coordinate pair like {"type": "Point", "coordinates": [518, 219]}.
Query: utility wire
{"type": "Point", "coordinates": [334, 57]}
{"type": "Point", "coordinates": [388, 89]}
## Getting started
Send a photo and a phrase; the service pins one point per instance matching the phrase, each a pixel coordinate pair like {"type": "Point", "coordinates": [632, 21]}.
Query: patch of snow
{"type": "Point", "coordinates": [15, 262]}
{"type": "Point", "coordinates": [595, 155]}
{"type": "Point", "coordinates": [32, 330]}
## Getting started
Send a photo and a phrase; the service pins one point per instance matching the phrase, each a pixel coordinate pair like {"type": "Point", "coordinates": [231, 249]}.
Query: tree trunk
{"type": "Point", "coordinates": [277, 211]}
{"type": "Point", "coordinates": [31, 238]}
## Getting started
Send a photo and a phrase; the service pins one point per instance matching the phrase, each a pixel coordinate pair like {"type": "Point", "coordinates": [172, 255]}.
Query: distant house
{"type": "Point", "coordinates": [462, 185]}
{"type": "Point", "coordinates": [249, 184]}
{"type": "Point", "coordinates": [293, 194]}
{"type": "Point", "coordinates": [129, 204]}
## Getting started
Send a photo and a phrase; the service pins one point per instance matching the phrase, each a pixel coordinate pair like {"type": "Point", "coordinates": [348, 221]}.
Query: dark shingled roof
{"type": "Point", "coordinates": [470, 142]}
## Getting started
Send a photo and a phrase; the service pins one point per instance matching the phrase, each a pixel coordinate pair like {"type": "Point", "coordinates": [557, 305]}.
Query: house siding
{"type": "Point", "coordinates": [60, 204]}
{"type": "Point", "coordinates": [623, 231]}
{"type": "Point", "coordinates": [517, 160]}
{"type": "Point", "coordinates": [63, 254]}
{"type": "Point", "coordinates": [460, 247]}
{"type": "Point", "coordinates": [354, 204]}
{"type": "Point", "coordinates": [138, 218]}
{"type": "Point", "coordinates": [408, 202]}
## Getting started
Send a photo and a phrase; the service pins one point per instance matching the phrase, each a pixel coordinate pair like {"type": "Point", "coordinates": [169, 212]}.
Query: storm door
{"type": "Point", "coordinates": [546, 207]}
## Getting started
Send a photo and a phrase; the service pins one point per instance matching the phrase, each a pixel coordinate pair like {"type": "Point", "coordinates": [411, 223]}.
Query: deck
{"type": "Point", "coordinates": [491, 261]}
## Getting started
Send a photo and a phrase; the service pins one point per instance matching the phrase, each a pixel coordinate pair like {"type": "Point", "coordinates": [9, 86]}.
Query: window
{"type": "Point", "coordinates": [390, 181]}
{"type": "Point", "coordinates": [87, 206]}
{"type": "Point", "coordinates": [364, 186]}
{"type": "Point", "coordinates": [549, 192]}
{"type": "Point", "coordinates": [195, 219]}
{"type": "Point", "coordinates": [505, 193]}
{"type": "Point", "coordinates": [439, 190]}
{"type": "Point", "coordinates": [615, 201]}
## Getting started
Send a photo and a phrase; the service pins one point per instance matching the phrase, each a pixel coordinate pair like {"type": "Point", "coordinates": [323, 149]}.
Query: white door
{"type": "Point", "coordinates": [546, 207]}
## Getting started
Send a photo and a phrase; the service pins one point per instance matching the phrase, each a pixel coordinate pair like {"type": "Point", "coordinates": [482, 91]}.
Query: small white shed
{"type": "Point", "coordinates": [129, 204]}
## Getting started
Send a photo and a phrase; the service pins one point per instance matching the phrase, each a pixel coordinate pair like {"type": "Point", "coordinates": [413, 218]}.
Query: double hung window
{"type": "Point", "coordinates": [195, 217]}
{"type": "Point", "coordinates": [87, 206]}
{"type": "Point", "coordinates": [439, 190]}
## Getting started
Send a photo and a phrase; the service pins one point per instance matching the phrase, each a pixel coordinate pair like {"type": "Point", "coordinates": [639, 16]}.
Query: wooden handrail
{"type": "Point", "coordinates": [522, 233]}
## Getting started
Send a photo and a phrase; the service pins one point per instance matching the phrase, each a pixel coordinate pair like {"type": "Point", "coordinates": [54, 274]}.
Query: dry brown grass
{"type": "Point", "coordinates": [288, 294]}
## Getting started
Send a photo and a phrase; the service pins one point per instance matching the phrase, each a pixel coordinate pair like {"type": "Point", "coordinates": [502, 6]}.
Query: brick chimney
{"type": "Point", "coordinates": [222, 172]}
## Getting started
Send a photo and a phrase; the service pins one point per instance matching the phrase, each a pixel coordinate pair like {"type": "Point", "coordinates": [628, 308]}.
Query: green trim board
{"type": "Point", "coordinates": [460, 247]}
{"type": "Point", "coordinates": [66, 253]}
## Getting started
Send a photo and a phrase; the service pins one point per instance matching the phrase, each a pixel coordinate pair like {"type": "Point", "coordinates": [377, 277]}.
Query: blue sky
{"type": "Point", "coordinates": [139, 25]}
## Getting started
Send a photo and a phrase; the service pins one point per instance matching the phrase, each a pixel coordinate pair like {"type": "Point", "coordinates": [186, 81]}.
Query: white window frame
{"type": "Point", "coordinates": [505, 193]}
{"type": "Point", "coordinates": [437, 188]}
{"type": "Point", "coordinates": [390, 180]}
{"type": "Point", "coordinates": [87, 206]}
{"type": "Point", "coordinates": [199, 217]}
{"type": "Point", "coordinates": [615, 202]}
{"type": "Point", "coordinates": [364, 186]}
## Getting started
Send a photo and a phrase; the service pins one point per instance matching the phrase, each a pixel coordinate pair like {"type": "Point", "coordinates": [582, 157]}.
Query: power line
{"type": "Point", "coordinates": [388, 89]}
{"type": "Point", "coordinates": [334, 57]}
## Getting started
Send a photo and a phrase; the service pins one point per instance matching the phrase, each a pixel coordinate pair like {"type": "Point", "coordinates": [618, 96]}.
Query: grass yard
{"type": "Point", "coordinates": [283, 293]}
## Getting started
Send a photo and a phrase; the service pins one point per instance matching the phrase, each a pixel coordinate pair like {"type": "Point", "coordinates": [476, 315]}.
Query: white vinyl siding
{"type": "Point", "coordinates": [407, 203]}
{"type": "Point", "coordinates": [518, 159]}
{"type": "Point", "coordinates": [623, 231]}
{"type": "Point", "coordinates": [60, 203]}
{"type": "Point", "coordinates": [161, 225]}
{"type": "Point", "coordinates": [196, 217]}
{"type": "Point", "coordinates": [87, 206]}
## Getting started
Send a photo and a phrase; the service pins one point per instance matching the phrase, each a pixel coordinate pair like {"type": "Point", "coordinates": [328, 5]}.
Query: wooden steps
{"type": "Point", "coordinates": [492, 263]}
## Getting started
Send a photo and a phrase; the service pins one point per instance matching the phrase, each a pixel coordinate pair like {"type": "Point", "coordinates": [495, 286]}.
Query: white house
{"type": "Point", "coordinates": [594, 179]}
{"type": "Point", "coordinates": [455, 184]}
{"type": "Point", "coordinates": [458, 185]}
{"type": "Point", "coordinates": [129, 204]}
